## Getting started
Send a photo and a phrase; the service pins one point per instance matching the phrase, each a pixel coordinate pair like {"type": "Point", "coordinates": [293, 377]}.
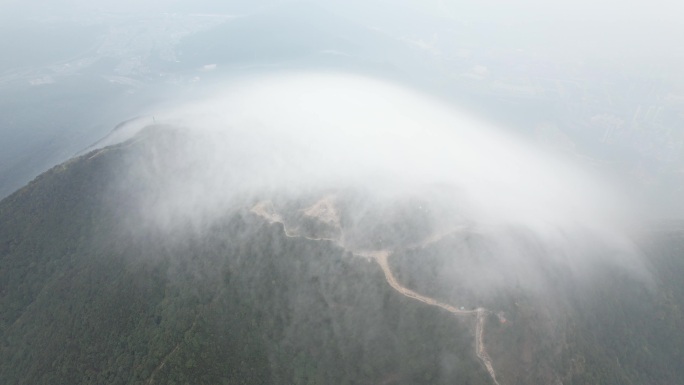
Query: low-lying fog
{"type": "Point", "coordinates": [299, 134]}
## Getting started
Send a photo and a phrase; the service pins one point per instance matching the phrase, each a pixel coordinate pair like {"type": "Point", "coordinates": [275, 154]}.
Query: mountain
{"type": "Point", "coordinates": [317, 286]}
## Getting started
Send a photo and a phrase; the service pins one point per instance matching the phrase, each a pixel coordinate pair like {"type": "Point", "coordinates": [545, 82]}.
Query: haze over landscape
{"type": "Point", "coordinates": [341, 192]}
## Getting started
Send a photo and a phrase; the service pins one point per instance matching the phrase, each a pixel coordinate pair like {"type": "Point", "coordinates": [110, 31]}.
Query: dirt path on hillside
{"type": "Point", "coordinates": [381, 257]}
{"type": "Point", "coordinates": [267, 211]}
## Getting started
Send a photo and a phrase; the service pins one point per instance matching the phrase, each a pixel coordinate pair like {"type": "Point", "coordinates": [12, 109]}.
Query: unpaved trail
{"type": "Point", "coordinates": [479, 343]}
{"type": "Point", "coordinates": [381, 257]}
{"type": "Point", "coordinates": [325, 209]}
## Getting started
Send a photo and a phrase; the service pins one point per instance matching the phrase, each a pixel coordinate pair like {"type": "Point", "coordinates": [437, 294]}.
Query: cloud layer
{"type": "Point", "coordinates": [297, 134]}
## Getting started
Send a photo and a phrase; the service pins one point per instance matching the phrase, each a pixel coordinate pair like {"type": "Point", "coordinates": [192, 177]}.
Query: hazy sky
{"type": "Point", "coordinates": [597, 61]}
{"type": "Point", "coordinates": [644, 31]}
{"type": "Point", "coordinates": [633, 10]}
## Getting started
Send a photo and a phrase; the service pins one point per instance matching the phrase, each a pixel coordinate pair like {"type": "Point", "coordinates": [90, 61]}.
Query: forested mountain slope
{"type": "Point", "coordinates": [237, 300]}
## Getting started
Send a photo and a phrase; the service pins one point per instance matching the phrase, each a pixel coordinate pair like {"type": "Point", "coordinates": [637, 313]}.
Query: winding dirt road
{"type": "Point", "coordinates": [381, 257]}
{"type": "Point", "coordinates": [267, 211]}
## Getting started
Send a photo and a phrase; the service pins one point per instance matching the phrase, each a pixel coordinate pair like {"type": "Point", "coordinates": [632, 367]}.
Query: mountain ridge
{"type": "Point", "coordinates": [88, 298]}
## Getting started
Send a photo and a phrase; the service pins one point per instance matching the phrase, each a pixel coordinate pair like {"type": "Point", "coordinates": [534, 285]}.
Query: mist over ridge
{"type": "Point", "coordinates": [332, 128]}
{"type": "Point", "coordinates": [375, 145]}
